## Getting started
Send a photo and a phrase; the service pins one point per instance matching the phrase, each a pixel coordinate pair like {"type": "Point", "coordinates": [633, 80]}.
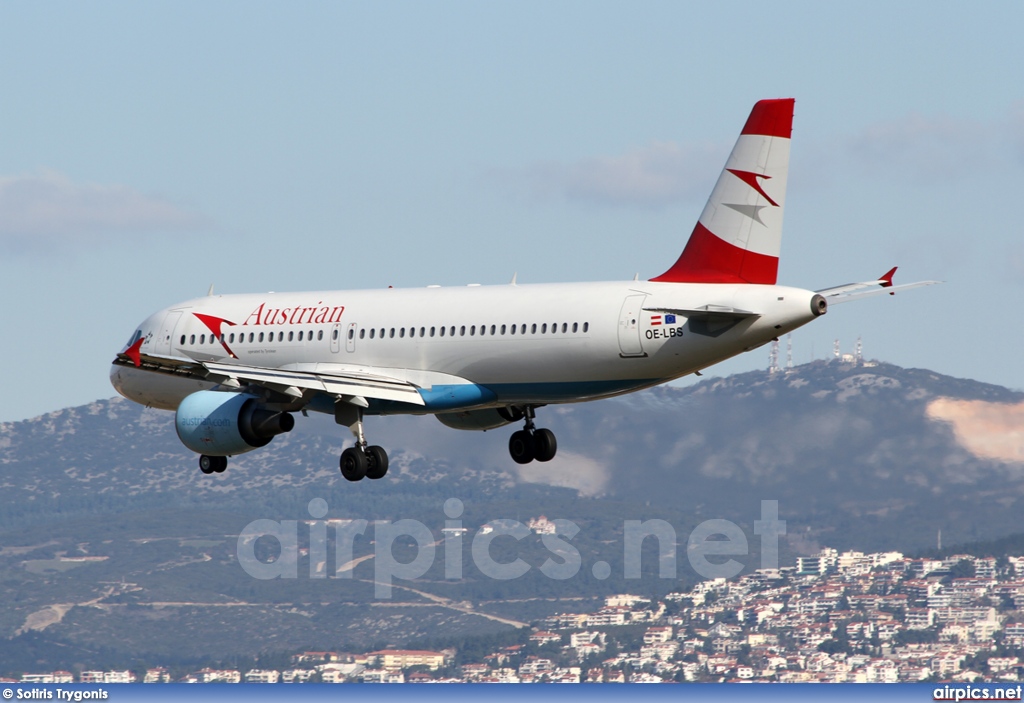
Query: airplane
{"type": "Point", "coordinates": [235, 368]}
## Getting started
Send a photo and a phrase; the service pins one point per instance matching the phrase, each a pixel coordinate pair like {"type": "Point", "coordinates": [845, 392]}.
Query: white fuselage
{"type": "Point", "coordinates": [520, 344]}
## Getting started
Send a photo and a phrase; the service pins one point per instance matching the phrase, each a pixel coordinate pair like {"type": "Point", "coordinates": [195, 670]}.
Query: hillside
{"type": "Point", "coordinates": [110, 534]}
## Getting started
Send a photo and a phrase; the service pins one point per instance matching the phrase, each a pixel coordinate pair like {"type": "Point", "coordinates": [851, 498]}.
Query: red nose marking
{"type": "Point", "coordinates": [133, 352]}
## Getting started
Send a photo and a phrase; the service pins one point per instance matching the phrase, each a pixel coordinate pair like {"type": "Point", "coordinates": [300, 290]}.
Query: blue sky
{"type": "Point", "coordinates": [148, 150]}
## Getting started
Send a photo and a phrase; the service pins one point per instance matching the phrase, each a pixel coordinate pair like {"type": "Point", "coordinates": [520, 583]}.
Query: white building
{"type": "Point", "coordinates": [262, 676]}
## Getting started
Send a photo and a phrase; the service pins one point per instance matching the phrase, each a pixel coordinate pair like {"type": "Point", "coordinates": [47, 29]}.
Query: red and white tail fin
{"type": "Point", "coordinates": [739, 234]}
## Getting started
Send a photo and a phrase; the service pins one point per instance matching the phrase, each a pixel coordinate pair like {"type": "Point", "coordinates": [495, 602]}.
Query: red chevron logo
{"type": "Point", "coordinates": [750, 179]}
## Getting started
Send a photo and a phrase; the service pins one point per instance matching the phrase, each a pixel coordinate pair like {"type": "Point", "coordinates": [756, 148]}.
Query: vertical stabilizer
{"type": "Point", "coordinates": [738, 236]}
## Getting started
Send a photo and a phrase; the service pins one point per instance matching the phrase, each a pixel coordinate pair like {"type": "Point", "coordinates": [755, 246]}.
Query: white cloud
{"type": "Point", "coordinates": [931, 149]}
{"type": "Point", "coordinates": [47, 208]}
{"type": "Point", "coordinates": [918, 148]}
{"type": "Point", "coordinates": [568, 470]}
{"type": "Point", "coordinates": [655, 175]}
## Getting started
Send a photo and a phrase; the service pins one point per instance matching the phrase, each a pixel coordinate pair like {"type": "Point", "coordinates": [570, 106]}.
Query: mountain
{"type": "Point", "coordinates": [112, 542]}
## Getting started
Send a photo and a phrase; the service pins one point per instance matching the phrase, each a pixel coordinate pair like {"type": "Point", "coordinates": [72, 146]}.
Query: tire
{"type": "Point", "coordinates": [544, 445]}
{"type": "Point", "coordinates": [353, 464]}
{"type": "Point", "coordinates": [220, 464]}
{"type": "Point", "coordinates": [207, 464]}
{"type": "Point", "coordinates": [521, 447]}
{"type": "Point", "coordinates": [376, 462]}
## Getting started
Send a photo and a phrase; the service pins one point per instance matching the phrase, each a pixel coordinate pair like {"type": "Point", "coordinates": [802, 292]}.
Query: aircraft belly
{"type": "Point", "coordinates": [154, 390]}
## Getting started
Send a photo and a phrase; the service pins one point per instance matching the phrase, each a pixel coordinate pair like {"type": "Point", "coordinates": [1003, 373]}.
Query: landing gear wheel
{"type": "Point", "coordinates": [544, 445]}
{"type": "Point", "coordinates": [376, 462]}
{"type": "Point", "coordinates": [212, 464]}
{"type": "Point", "coordinates": [353, 464]}
{"type": "Point", "coordinates": [521, 447]}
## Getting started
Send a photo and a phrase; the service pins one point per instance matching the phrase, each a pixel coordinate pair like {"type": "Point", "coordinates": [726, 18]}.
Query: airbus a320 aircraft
{"type": "Point", "coordinates": [235, 368]}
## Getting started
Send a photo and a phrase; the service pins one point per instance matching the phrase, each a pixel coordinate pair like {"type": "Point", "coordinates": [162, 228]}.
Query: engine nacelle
{"type": "Point", "coordinates": [219, 423]}
{"type": "Point", "coordinates": [479, 419]}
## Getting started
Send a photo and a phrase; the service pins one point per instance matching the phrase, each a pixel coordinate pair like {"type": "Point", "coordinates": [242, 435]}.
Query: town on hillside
{"type": "Point", "coordinates": [849, 617]}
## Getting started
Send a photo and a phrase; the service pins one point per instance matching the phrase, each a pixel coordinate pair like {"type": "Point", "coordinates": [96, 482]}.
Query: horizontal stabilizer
{"type": "Point", "coordinates": [866, 289]}
{"type": "Point", "coordinates": [721, 312]}
{"type": "Point", "coordinates": [845, 297]}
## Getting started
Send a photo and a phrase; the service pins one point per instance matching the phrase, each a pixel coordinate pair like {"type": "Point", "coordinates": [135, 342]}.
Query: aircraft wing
{"type": "Point", "coordinates": [855, 291]}
{"type": "Point", "coordinates": [292, 382]}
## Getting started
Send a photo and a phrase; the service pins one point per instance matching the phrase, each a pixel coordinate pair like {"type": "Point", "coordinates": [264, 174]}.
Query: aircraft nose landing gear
{"type": "Point", "coordinates": [213, 464]}
{"type": "Point", "coordinates": [530, 443]}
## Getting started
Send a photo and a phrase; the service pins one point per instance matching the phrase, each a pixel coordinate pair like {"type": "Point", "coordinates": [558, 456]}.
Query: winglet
{"type": "Point", "coordinates": [134, 352]}
{"type": "Point", "coordinates": [886, 278]}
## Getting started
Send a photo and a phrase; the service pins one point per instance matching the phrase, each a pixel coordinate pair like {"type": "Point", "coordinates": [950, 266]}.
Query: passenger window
{"type": "Point", "coordinates": [192, 339]}
{"type": "Point", "coordinates": [373, 331]}
{"type": "Point", "coordinates": [291, 336]}
{"type": "Point", "coordinates": [202, 339]}
{"type": "Point", "coordinates": [502, 330]}
{"type": "Point", "coordinates": [544, 328]}
{"type": "Point", "coordinates": [401, 333]}
{"type": "Point", "coordinates": [182, 339]}
{"type": "Point", "coordinates": [431, 331]}
{"type": "Point", "coordinates": [513, 329]}
{"type": "Point", "coordinates": [533, 328]}
{"type": "Point", "coordinates": [334, 335]}
{"type": "Point", "coordinates": [586, 326]}
{"type": "Point", "coordinates": [462, 331]}
{"type": "Point", "coordinates": [300, 335]}
{"type": "Point", "coordinates": [320, 335]}
{"type": "Point", "coordinates": [493, 329]}
{"type": "Point", "coordinates": [280, 336]}
{"type": "Point", "coordinates": [472, 330]}
{"type": "Point", "coordinates": [522, 330]}
{"type": "Point", "coordinates": [423, 331]}
{"type": "Point", "coordinates": [250, 338]}
{"type": "Point", "coordinates": [351, 333]}
{"type": "Point", "coordinates": [451, 331]}
{"type": "Point", "coordinates": [391, 334]}
{"type": "Point", "coordinates": [575, 326]}
{"type": "Point", "coordinates": [362, 334]}
{"type": "Point", "coordinates": [261, 337]}
{"type": "Point", "coordinates": [442, 331]}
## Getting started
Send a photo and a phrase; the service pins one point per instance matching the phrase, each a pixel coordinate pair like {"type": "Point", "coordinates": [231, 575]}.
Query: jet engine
{"type": "Point", "coordinates": [216, 423]}
{"type": "Point", "coordinates": [480, 419]}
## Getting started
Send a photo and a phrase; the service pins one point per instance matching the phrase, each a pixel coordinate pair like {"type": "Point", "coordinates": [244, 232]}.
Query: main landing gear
{"type": "Point", "coordinates": [213, 464]}
{"type": "Point", "coordinates": [530, 443]}
{"type": "Point", "coordinates": [360, 461]}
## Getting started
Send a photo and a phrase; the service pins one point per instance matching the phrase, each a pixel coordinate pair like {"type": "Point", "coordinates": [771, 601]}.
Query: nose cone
{"type": "Point", "coordinates": [118, 380]}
